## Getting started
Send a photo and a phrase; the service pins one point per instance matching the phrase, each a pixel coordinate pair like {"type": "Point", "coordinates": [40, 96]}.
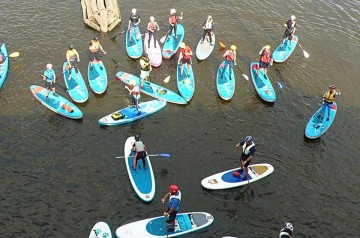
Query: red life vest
{"type": "Point", "coordinates": [230, 56]}
{"type": "Point", "coordinates": [265, 56]}
{"type": "Point", "coordinates": [187, 49]}
{"type": "Point", "coordinates": [173, 19]}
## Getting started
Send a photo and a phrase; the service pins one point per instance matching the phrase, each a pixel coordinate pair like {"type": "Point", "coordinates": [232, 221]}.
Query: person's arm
{"type": "Point", "coordinates": [337, 92]}
{"type": "Point", "coordinates": [77, 55]}
{"type": "Point", "coordinates": [181, 16]}
{"type": "Point", "coordinates": [235, 58]}
{"type": "Point", "coordinates": [67, 57]}
{"type": "Point", "coordinates": [138, 22]}
{"type": "Point", "coordinates": [129, 23]}
{"type": "Point", "coordinates": [170, 21]}
{"type": "Point", "coordinates": [180, 57]}
{"type": "Point", "coordinates": [157, 26]}
{"type": "Point", "coordinates": [167, 195]}
{"type": "Point", "coordinates": [148, 27]}
{"type": "Point", "coordinates": [102, 49]}
{"type": "Point", "coordinates": [43, 76]}
{"type": "Point", "coordinates": [262, 49]}
{"type": "Point", "coordinates": [54, 76]}
{"type": "Point", "coordinates": [226, 53]}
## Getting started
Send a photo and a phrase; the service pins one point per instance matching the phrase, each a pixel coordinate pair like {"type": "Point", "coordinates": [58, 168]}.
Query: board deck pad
{"type": "Point", "coordinates": [134, 49]}
{"type": "Point", "coordinates": [262, 85]}
{"type": "Point", "coordinates": [97, 77]}
{"type": "Point", "coordinates": [283, 51]}
{"type": "Point", "coordinates": [317, 126]}
{"type": "Point", "coordinates": [186, 82]}
{"type": "Point", "coordinates": [203, 50]}
{"type": "Point", "coordinates": [226, 85]}
{"type": "Point", "coordinates": [172, 44]}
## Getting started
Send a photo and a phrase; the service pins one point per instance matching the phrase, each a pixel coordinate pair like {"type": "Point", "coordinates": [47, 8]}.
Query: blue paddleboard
{"type": "Point", "coordinates": [130, 114]}
{"type": "Point", "coordinates": [152, 89]}
{"type": "Point", "coordinates": [4, 67]}
{"type": "Point", "coordinates": [185, 82]}
{"type": "Point", "coordinates": [262, 85]}
{"type": "Point", "coordinates": [57, 103]}
{"type": "Point", "coordinates": [75, 85]}
{"type": "Point", "coordinates": [97, 77]}
{"type": "Point", "coordinates": [319, 125]}
{"type": "Point", "coordinates": [134, 49]}
{"type": "Point", "coordinates": [171, 44]}
{"type": "Point", "coordinates": [225, 87]}
{"type": "Point", "coordinates": [283, 51]}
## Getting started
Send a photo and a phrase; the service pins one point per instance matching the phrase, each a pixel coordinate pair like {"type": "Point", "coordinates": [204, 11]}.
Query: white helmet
{"type": "Point", "coordinates": [49, 66]}
{"type": "Point", "coordinates": [133, 11]}
{"type": "Point", "coordinates": [152, 19]}
{"type": "Point", "coordinates": [292, 17]}
{"type": "Point", "coordinates": [172, 11]}
{"type": "Point", "coordinates": [288, 225]}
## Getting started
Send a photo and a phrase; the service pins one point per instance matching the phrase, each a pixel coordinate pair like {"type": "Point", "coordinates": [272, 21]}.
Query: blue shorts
{"type": "Point", "coordinates": [263, 65]}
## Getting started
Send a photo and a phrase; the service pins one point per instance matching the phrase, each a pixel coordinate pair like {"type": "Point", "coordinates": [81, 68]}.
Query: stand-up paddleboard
{"type": "Point", "coordinates": [171, 44]}
{"type": "Point", "coordinates": [4, 67]}
{"type": "Point", "coordinates": [225, 85]}
{"type": "Point", "coordinates": [130, 114]}
{"type": "Point", "coordinates": [100, 230]}
{"type": "Point", "coordinates": [153, 52]}
{"type": "Point", "coordinates": [57, 103]}
{"type": "Point", "coordinates": [134, 49]}
{"type": "Point", "coordinates": [185, 82]}
{"type": "Point", "coordinates": [283, 51]}
{"type": "Point", "coordinates": [142, 179]}
{"type": "Point", "coordinates": [204, 49]}
{"type": "Point", "coordinates": [152, 89]}
{"type": "Point", "coordinates": [155, 227]}
{"type": "Point", "coordinates": [262, 85]}
{"type": "Point", "coordinates": [319, 125]}
{"type": "Point", "coordinates": [225, 180]}
{"type": "Point", "coordinates": [97, 77]}
{"type": "Point", "coordinates": [75, 85]}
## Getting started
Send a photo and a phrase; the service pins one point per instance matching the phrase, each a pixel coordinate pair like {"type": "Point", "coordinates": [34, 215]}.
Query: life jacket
{"type": "Point", "coordinates": [176, 196]}
{"type": "Point", "coordinates": [187, 49]}
{"type": "Point", "coordinates": [72, 54]}
{"type": "Point", "coordinates": [145, 62]}
{"type": "Point", "coordinates": [139, 146]}
{"type": "Point", "coordinates": [290, 25]}
{"type": "Point", "coordinates": [230, 56]}
{"type": "Point", "coordinates": [94, 46]}
{"type": "Point", "coordinates": [246, 150]}
{"type": "Point", "coordinates": [134, 18]}
{"type": "Point", "coordinates": [49, 75]}
{"type": "Point", "coordinates": [329, 97]}
{"type": "Point", "coordinates": [152, 26]}
{"type": "Point", "coordinates": [208, 24]}
{"type": "Point", "coordinates": [173, 19]}
{"type": "Point", "coordinates": [265, 56]}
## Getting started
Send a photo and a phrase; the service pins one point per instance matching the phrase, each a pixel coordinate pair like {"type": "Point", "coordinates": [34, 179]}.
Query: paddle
{"type": "Point", "coordinates": [306, 54]}
{"type": "Point", "coordinates": [166, 80]}
{"type": "Point", "coordinates": [244, 75]}
{"type": "Point", "coordinates": [113, 38]}
{"type": "Point", "coordinates": [166, 230]}
{"type": "Point", "coordinates": [14, 54]}
{"type": "Point", "coordinates": [251, 190]}
{"type": "Point", "coordinates": [162, 39]}
{"type": "Point", "coordinates": [115, 61]}
{"type": "Point", "coordinates": [62, 87]}
{"type": "Point", "coordinates": [161, 155]}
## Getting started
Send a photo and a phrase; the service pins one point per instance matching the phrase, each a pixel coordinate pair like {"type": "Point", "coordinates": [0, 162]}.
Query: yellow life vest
{"type": "Point", "coordinates": [329, 97]}
{"type": "Point", "coordinates": [94, 46]}
{"type": "Point", "coordinates": [71, 54]}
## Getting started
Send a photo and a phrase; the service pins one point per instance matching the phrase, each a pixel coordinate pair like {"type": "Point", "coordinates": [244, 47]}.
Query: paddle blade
{"type": "Point", "coordinates": [306, 54]}
{"type": "Point", "coordinates": [138, 36]}
{"type": "Point", "coordinates": [222, 45]}
{"type": "Point", "coordinates": [14, 54]}
{"type": "Point", "coordinates": [165, 155]}
{"type": "Point", "coordinates": [162, 40]}
{"type": "Point", "coordinates": [166, 80]}
{"type": "Point", "coordinates": [245, 76]}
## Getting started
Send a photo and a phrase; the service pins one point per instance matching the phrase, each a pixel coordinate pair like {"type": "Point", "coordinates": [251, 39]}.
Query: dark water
{"type": "Point", "coordinates": [60, 176]}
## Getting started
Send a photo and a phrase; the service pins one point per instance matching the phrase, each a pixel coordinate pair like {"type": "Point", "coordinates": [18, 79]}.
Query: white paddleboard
{"type": "Point", "coordinates": [100, 230]}
{"type": "Point", "coordinates": [225, 180]}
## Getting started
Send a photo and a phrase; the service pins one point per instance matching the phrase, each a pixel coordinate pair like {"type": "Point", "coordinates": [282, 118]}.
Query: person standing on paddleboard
{"type": "Point", "coordinates": [72, 58]}
{"type": "Point", "coordinates": [50, 79]}
{"type": "Point", "coordinates": [265, 59]}
{"type": "Point", "coordinates": [290, 28]}
{"type": "Point", "coordinates": [173, 21]}
{"type": "Point", "coordinates": [247, 153]}
{"type": "Point", "coordinates": [94, 47]}
{"type": "Point", "coordinates": [145, 68]}
{"type": "Point", "coordinates": [152, 27]}
{"type": "Point", "coordinates": [174, 196]}
{"type": "Point", "coordinates": [135, 91]}
{"type": "Point", "coordinates": [328, 100]}
{"type": "Point", "coordinates": [208, 27]}
{"type": "Point", "coordinates": [134, 21]}
{"type": "Point", "coordinates": [140, 152]}
{"type": "Point", "coordinates": [185, 58]}
{"type": "Point", "coordinates": [287, 231]}
{"type": "Point", "coordinates": [230, 60]}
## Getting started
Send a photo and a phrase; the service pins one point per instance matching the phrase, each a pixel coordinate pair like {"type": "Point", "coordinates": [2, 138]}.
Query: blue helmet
{"type": "Point", "coordinates": [248, 139]}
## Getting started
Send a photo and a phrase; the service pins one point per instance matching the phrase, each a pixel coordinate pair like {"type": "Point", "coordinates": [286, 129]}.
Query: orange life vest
{"type": "Point", "coordinates": [173, 19]}
{"type": "Point", "coordinates": [329, 97]}
{"type": "Point", "coordinates": [187, 49]}
{"type": "Point", "coordinates": [265, 56]}
{"type": "Point", "coordinates": [230, 56]}
{"type": "Point", "coordinates": [94, 46]}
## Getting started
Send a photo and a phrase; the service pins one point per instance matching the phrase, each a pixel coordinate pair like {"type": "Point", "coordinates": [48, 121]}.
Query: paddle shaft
{"type": "Point", "coordinates": [62, 87]}
{"type": "Point", "coordinates": [113, 38]}
{"type": "Point", "coordinates": [244, 75]}
{"type": "Point", "coordinates": [166, 230]}
{"type": "Point", "coordinates": [115, 61]}
{"type": "Point", "coordinates": [153, 155]}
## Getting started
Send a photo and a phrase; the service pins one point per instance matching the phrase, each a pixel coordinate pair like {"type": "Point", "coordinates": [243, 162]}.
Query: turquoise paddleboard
{"type": "Point", "coordinates": [130, 114]}
{"type": "Point", "coordinates": [134, 49]}
{"type": "Point", "coordinates": [57, 103]}
{"type": "Point", "coordinates": [97, 77]}
{"type": "Point", "coordinates": [226, 85]}
{"type": "Point", "coordinates": [75, 85]}
{"type": "Point", "coordinates": [262, 85]}
{"type": "Point", "coordinates": [100, 230]}
{"type": "Point", "coordinates": [317, 126]}
{"type": "Point", "coordinates": [152, 89]}
{"type": "Point", "coordinates": [4, 67]}
{"type": "Point", "coordinates": [204, 49]}
{"type": "Point", "coordinates": [142, 179]}
{"type": "Point", "coordinates": [171, 44]}
{"type": "Point", "coordinates": [283, 51]}
{"type": "Point", "coordinates": [185, 82]}
{"type": "Point", "coordinates": [155, 227]}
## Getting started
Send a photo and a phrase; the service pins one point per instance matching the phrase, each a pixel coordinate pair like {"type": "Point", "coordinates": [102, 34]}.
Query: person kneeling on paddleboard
{"type": "Point", "coordinates": [140, 151]}
{"type": "Point", "coordinates": [290, 29]}
{"type": "Point", "coordinates": [287, 231]}
{"type": "Point", "coordinates": [185, 58]}
{"type": "Point", "coordinates": [265, 59]}
{"type": "Point", "coordinates": [173, 21]}
{"type": "Point", "coordinates": [208, 27]}
{"type": "Point", "coordinates": [174, 196]}
{"type": "Point", "coordinates": [230, 60]}
{"type": "Point", "coordinates": [328, 100]}
{"type": "Point", "coordinates": [248, 151]}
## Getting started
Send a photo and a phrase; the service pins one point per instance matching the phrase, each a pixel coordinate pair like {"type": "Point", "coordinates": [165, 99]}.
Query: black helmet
{"type": "Point", "coordinates": [96, 38]}
{"type": "Point", "coordinates": [71, 46]}
{"type": "Point", "coordinates": [137, 137]}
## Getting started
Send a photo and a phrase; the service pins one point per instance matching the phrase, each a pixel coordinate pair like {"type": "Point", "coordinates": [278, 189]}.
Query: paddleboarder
{"type": "Point", "coordinates": [135, 91]}
{"type": "Point", "coordinates": [290, 28]}
{"type": "Point", "coordinates": [72, 58]}
{"type": "Point", "coordinates": [94, 47]}
{"type": "Point", "coordinates": [152, 27]}
{"type": "Point", "coordinates": [185, 58]}
{"type": "Point", "coordinates": [265, 60]}
{"type": "Point", "coordinates": [287, 231]}
{"type": "Point", "coordinates": [173, 21]}
{"type": "Point", "coordinates": [247, 153]}
{"type": "Point", "coordinates": [328, 100]}
{"type": "Point", "coordinates": [140, 151]}
{"type": "Point", "coordinates": [50, 79]}
{"type": "Point", "coordinates": [134, 21]}
{"type": "Point", "coordinates": [145, 67]}
{"type": "Point", "coordinates": [230, 60]}
{"type": "Point", "coordinates": [174, 196]}
{"type": "Point", "coordinates": [208, 29]}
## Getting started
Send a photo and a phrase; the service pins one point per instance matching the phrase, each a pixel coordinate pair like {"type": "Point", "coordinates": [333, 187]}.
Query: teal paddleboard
{"type": "Point", "coordinates": [75, 85]}
{"type": "Point", "coordinates": [4, 67]}
{"type": "Point", "coordinates": [283, 51]}
{"type": "Point", "coordinates": [318, 125]}
{"type": "Point", "coordinates": [225, 85]}
{"type": "Point", "coordinates": [185, 82]}
{"type": "Point", "coordinates": [134, 49]}
{"type": "Point", "coordinates": [262, 85]}
{"type": "Point", "coordinates": [97, 76]}
{"type": "Point", "coordinates": [172, 44]}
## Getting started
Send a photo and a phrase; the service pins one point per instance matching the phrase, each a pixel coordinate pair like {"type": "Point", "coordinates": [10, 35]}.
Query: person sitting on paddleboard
{"type": "Point", "coordinates": [140, 151]}
{"type": "Point", "coordinates": [290, 28]}
{"type": "Point", "coordinates": [134, 21]}
{"type": "Point", "coordinates": [328, 100]}
{"type": "Point", "coordinates": [72, 57]}
{"type": "Point", "coordinates": [152, 27]}
{"type": "Point", "coordinates": [173, 21]}
{"type": "Point", "coordinates": [50, 79]}
{"type": "Point", "coordinates": [208, 27]}
{"type": "Point", "coordinates": [174, 196]}
{"type": "Point", "coordinates": [230, 60]}
{"type": "Point", "coordinates": [145, 68]}
{"type": "Point", "coordinates": [265, 59]}
{"type": "Point", "coordinates": [94, 47]}
{"type": "Point", "coordinates": [185, 58]}
{"type": "Point", "coordinates": [135, 91]}
{"type": "Point", "coordinates": [247, 153]}
{"type": "Point", "coordinates": [287, 231]}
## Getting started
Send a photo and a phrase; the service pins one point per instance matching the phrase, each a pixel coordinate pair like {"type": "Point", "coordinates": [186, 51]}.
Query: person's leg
{"type": "Point", "coordinates": [135, 161]}
{"type": "Point", "coordinates": [210, 37]}
{"type": "Point", "coordinates": [154, 38]}
{"type": "Point", "coordinates": [189, 68]}
{"type": "Point", "coordinates": [150, 35]}
{"type": "Point", "coordinates": [204, 35]}
{"type": "Point", "coordinates": [328, 109]}
{"type": "Point", "coordinates": [322, 111]}
{"type": "Point", "coordinates": [175, 33]}
{"type": "Point", "coordinates": [182, 68]}
{"type": "Point", "coordinates": [231, 65]}
{"type": "Point", "coordinates": [225, 66]}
